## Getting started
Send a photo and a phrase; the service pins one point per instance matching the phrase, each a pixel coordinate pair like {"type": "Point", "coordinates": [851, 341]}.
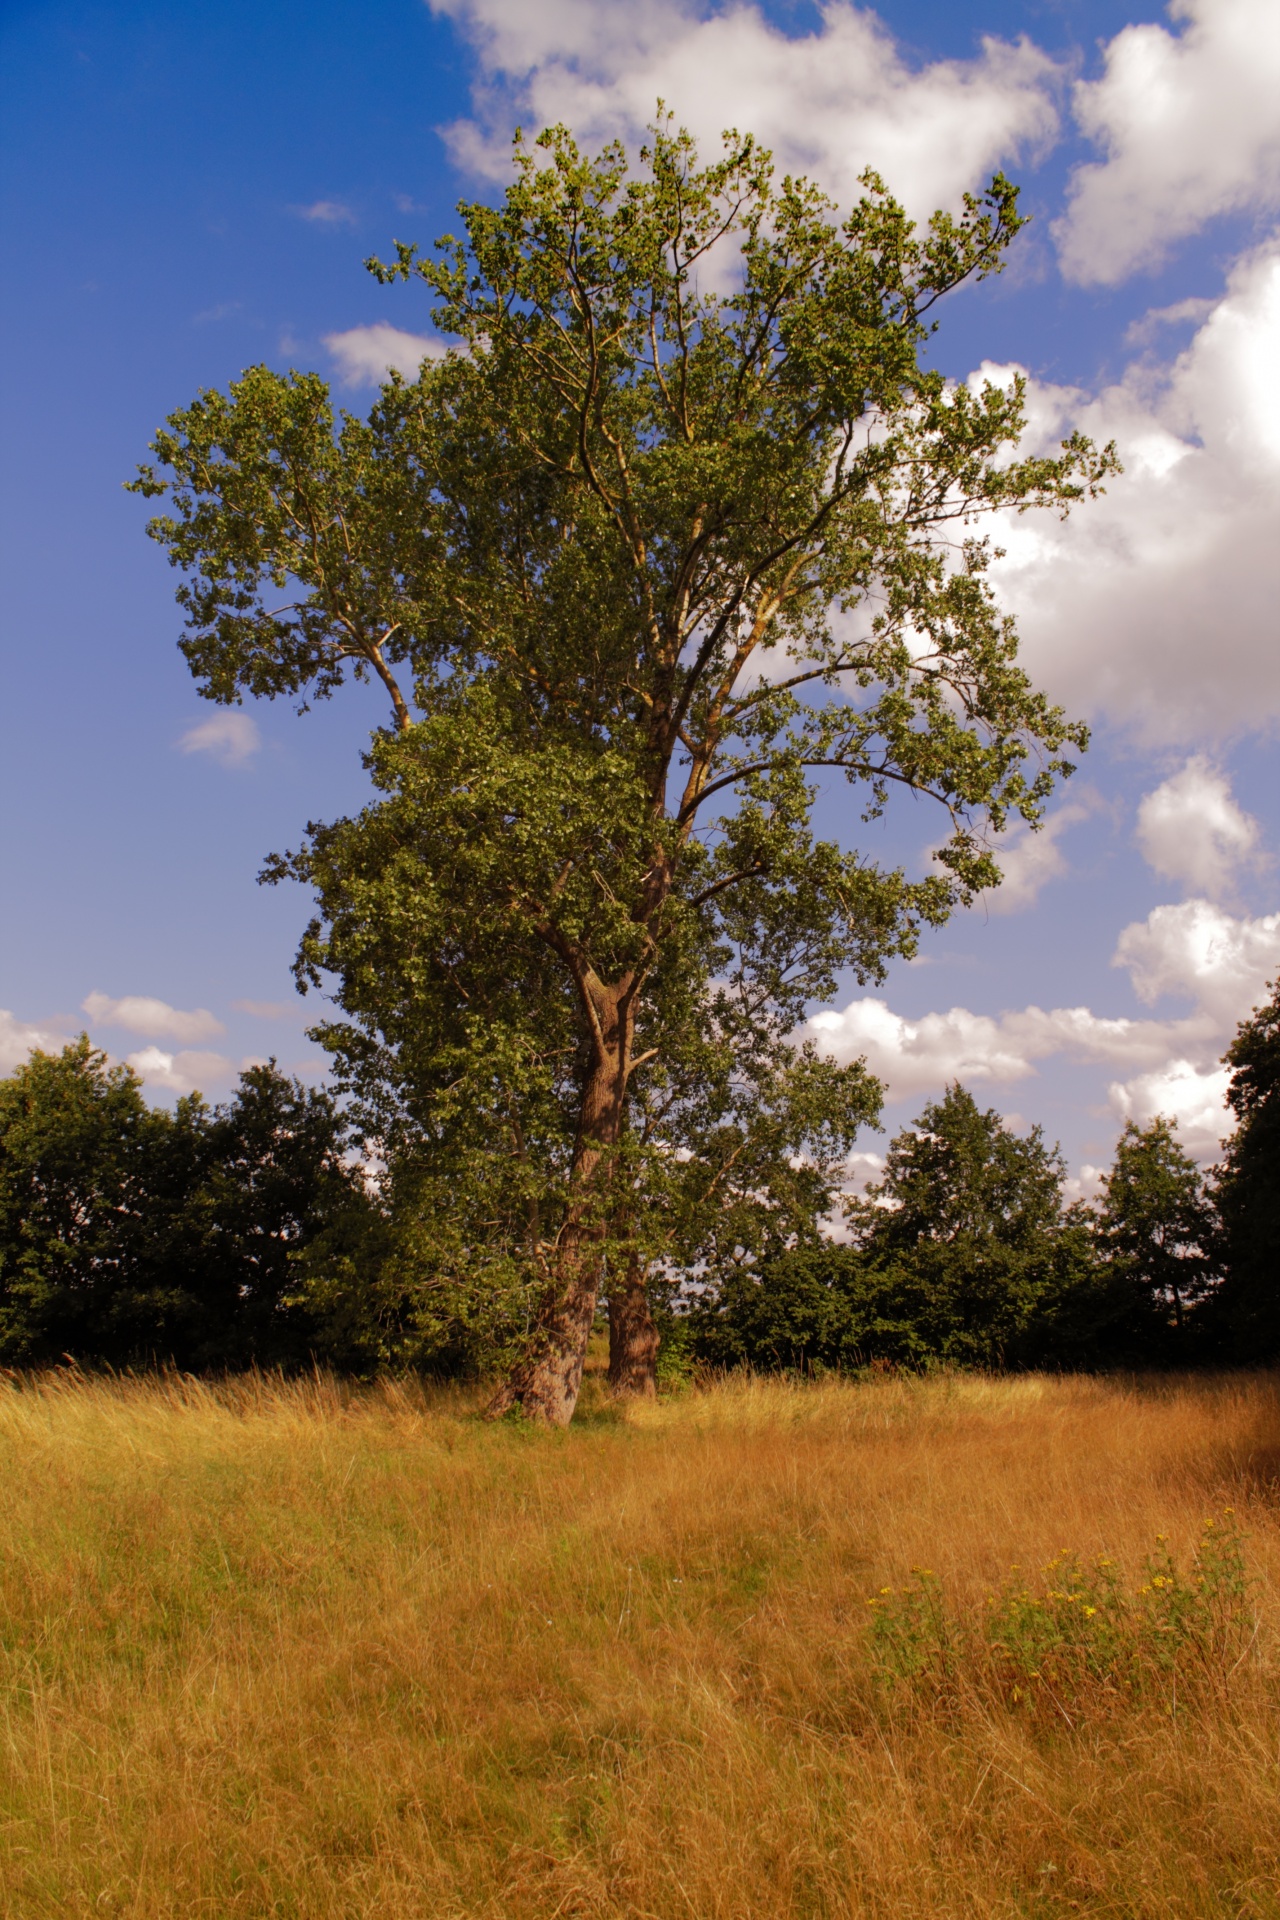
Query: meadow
{"type": "Point", "coordinates": [310, 1650]}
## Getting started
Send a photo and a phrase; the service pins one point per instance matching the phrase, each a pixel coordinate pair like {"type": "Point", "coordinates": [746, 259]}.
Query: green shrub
{"type": "Point", "coordinates": [1075, 1638]}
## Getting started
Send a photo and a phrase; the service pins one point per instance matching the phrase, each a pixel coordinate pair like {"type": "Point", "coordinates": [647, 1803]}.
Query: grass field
{"type": "Point", "coordinates": [289, 1650]}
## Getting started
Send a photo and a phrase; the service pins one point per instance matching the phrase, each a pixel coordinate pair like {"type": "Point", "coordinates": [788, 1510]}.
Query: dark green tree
{"type": "Point", "coordinates": [132, 1236]}
{"type": "Point", "coordinates": [1247, 1308]}
{"type": "Point", "coordinates": [1155, 1222]}
{"type": "Point", "coordinates": [646, 557]}
{"type": "Point", "coordinates": [79, 1154]}
{"type": "Point", "coordinates": [263, 1176]}
{"type": "Point", "coordinates": [963, 1252]}
{"type": "Point", "coordinates": [970, 1235]}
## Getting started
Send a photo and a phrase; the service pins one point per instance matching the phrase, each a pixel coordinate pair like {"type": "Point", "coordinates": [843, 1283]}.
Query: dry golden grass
{"type": "Point", "coordinates": [287, 1650]}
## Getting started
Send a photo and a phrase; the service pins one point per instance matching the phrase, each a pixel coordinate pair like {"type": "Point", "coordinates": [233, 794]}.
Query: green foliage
{"type": "Point", "coordinates": [963, 1253]}
{"type": "Point", "coordinates": [1156, 1229]}
{"type": "Point", "coordinates": [132, 1236]}
{"type": "Point", "coordinates": [1247, 1307]}
{"type": "Point", "coordinates": [969, 1229]}
{"type": "Point", "coordinates": [79, 1154]}
{"type": "Point", "coordinates": [651, 557]}
{"type": "Point", "coordinates": [808, 1310]}
{"type": "Point", "coordinates": [1077, 1639]}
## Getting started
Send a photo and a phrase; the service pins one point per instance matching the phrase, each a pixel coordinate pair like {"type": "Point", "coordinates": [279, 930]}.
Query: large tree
{"type": "Point", "coordinates": [1155, 1222]}
{"type": "Point", "coordinates": [680, 520]}
{"type": "Point", "coordinates": [1247, 1306]}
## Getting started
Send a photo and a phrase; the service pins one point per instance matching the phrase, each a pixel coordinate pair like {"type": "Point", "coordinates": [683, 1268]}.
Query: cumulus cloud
{"type": "Point", "coordinates": [1189, 126]}
{"type": "Point", "coordinates": [326, 213]}
{"type": "Point", "coordinates": [138, 1013]}
{"type": "Point", "coordinates": [915, 1057]}
{"type": "Point", "coordinates": [1194, 950]}
{"type": "Point", "coordinates": [1193, 1097]}
{"type": "Point", "coordinates": [1197, 951]}
{"type": "Point", "coordinates": [232, 738]}
{"type": "Point", "coordinates": [1191, 829]}
{"type": "Point", "coordinates": [829, 103]}
{"type": "Point", "coordinates": [1155, 607]}
{"type": "Point", "coordinates": [1029, 860]}
{"type": "Point", "coordinates": [366, 355]}
{"type": "Point", "coordinates": [184, 1072]}
{"type": "Point", "coordinates": [18, 1038]}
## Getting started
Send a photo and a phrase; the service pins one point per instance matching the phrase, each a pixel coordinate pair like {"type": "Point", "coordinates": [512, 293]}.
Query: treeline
{"type": "Point", "coordinates": [259, 1233]}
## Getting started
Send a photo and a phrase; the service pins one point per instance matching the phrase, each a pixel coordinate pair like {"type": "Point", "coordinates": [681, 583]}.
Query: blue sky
{"type": "Point", "coordinates": [188, 189]}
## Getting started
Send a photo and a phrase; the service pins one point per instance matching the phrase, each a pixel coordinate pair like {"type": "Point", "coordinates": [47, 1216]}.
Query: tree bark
{"type": "Point", "coordinates": [546, 1383]}
{"type": "Point", "coordinates": [633, 1337]}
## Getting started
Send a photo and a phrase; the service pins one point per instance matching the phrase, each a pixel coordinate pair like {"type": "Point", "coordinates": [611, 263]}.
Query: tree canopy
{"type": "Point", "coordinates": [136, 1236]}
{"type": "Point", "coordinates": [963, 1252]}
{"type": "Point", "coordinates": [1156, 1224]}
{"type": "Point", "coordinates": [1248, 1197]}
{"type": "Point", "coordinates": [681, 524]}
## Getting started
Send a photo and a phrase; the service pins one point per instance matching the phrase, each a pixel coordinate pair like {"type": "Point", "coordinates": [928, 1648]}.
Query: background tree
{"type": "Point", "coordinates": [970, 1235]}
{"type": "Point", "coordinates": [1247, 1308]}
{"type": "Point", "coordinates": [79, 1154]}
{"type": "Point", "coordinates": [652, 555]}
{"type": "Point", "coordinates": [1155, 1223]}
{"type": "Point", "coordinates": [133, 1236]}
{"type": "Point", "coordinates": [963, 1252]}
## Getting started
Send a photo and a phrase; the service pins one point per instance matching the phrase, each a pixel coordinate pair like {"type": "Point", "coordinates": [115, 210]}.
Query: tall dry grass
{"type": "Point", "coordinates": [289, 1650]}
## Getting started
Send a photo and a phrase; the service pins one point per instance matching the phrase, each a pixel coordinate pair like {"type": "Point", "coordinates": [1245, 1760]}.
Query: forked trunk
{"type": "Point", "coordinates": [633, 1337]}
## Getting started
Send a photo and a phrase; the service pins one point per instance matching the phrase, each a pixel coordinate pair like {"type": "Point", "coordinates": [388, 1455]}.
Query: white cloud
{"type": "Point", "coordinates": [1190, 128]}
{"type": "Point", "coordinates": [1193, 949]}
{"type": "Point", "coordinates": [1029, 860]}
{"type": "Point", "coordinates": [230, 737]}
{"type": "Point", "coordinates": [1191, 829]}
{"type": "Point", "coordinates": [1156, 606]}
{"type": "Point", "coordinates": [913, 1057]}
{"type": "Point", "coordinates": [138, 1013]}
{"type": "Point", "coordinates": [1199, 952]}
{"type": "Point", "coordinates": [366, 355]}
{"type": "Point", "coordinates": [181, 1072]}
{"type": "Point", "coordinates": [262, 1009]}
{"type": "Point", "coordinates": [1193, 1097]}
{"type": "Point", "coordinates": [18, 1038]}
{"type": "Point", "coordinates": [1084, 1185]}
{"type": "Point", "coordinates": [326, 213]}
{"type": "Point", "coordinates": [829, 103]}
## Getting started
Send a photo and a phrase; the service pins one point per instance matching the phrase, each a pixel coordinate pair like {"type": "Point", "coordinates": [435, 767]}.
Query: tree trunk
{"type": "Point", "coordinates": [546, 1383]}
{"type": "Point", "coordinates": [633, 1338]}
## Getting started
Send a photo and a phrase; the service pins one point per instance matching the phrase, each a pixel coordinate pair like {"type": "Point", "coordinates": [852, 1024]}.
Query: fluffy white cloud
{"type": "Point", "coordinates": [829, 103]}
{"type": "Point", "coordinates": [1194, 949]}
{"type": "Point", "coordinates": [918, 1056]}
{"type": "Point", "coordinates": [1193, 1097]}
{"type": "Point", "coordinates": [326, 213]}
{"type": "Point", "coordinates": [1191, 829]}
{"type": "Point", "coordinates": [914, 1057]}
{"type": "Point", "coordinates": [18, 1038]}
{"type": "Point", "coordinates": [230, 737]}
{"type": "Point", "coordinates": [1029, 860]}
{"type": "Point", "coordinates": [1156, 606]}
{"type": "Point", "coordinates": [1190, 128]}
{"type": "Point", "coordinates": [1199, 952]}
{"type": "Point", "coordinates": [138, 1013]}
{"type": "Point", "coordinates": [366, 355]}
{"type": "Point", "coordinates": [181, 1072]}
